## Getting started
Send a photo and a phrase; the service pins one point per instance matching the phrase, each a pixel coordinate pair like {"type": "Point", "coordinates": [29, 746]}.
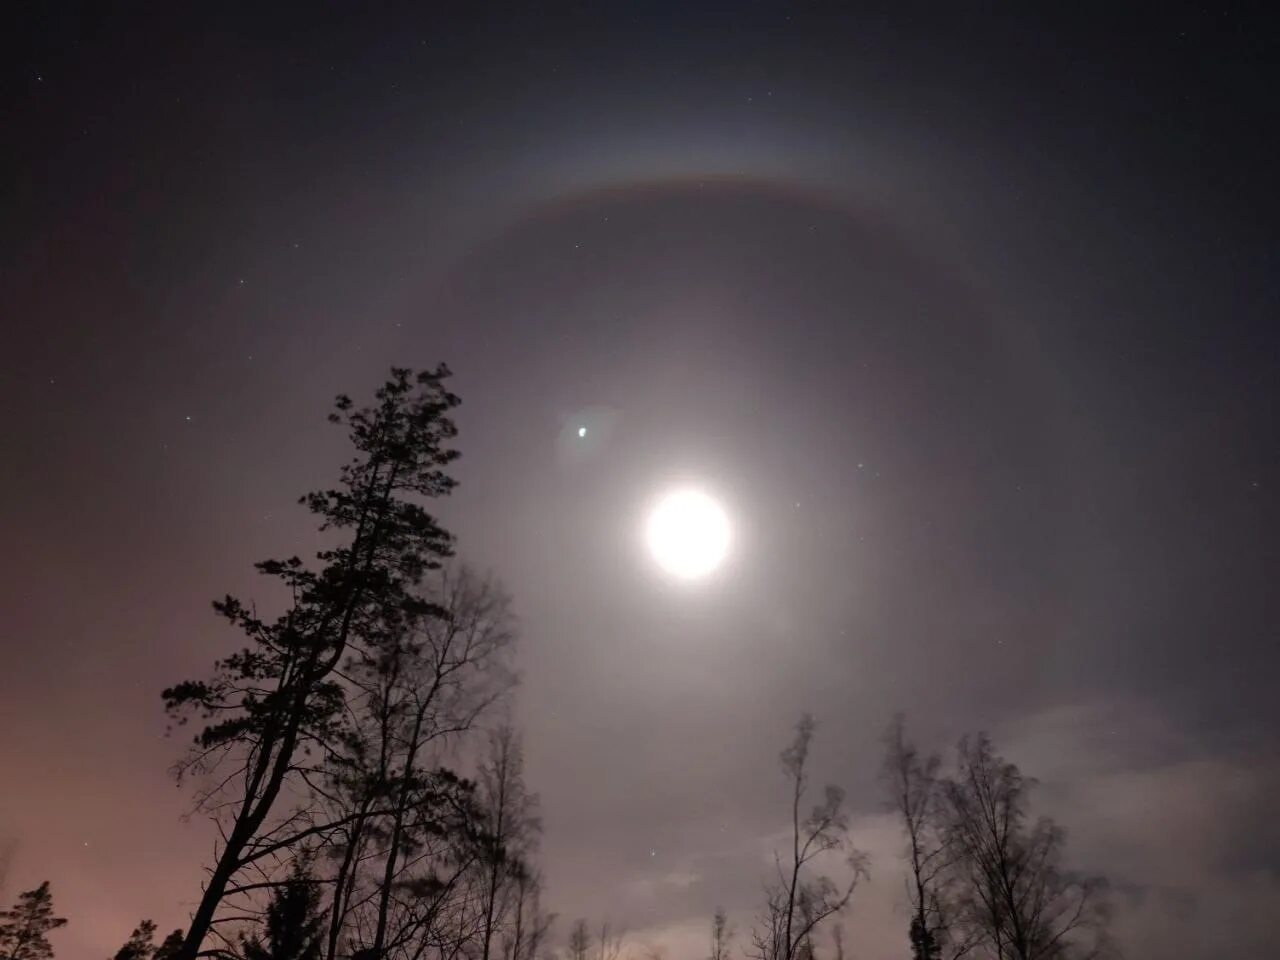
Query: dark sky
{"type": "Point", "coordinates": [970, 320]}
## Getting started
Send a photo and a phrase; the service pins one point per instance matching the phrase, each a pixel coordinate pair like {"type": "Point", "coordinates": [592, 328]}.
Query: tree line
{"type": "Point", "coordinates": [369, 797]}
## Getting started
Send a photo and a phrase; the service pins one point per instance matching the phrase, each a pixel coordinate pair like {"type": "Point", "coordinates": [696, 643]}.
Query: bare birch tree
{"type": "Point", "coordinates": [509, 833]}
{"type": "Point", "coordinates": [579, 941]}
{"type": "Point", "coordinates": [798, 902]}
{"type": "Point", "coordinates": [721, 935]}
{"type": "Point", "coordinates": [413, 831]}
{"type": "Point", "coordinates": [1015, 900]}
{"type": "Point", "coordinates": [914, 788]}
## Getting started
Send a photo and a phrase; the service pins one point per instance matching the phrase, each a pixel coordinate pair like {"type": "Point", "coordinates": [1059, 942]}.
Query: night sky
{"type": "Point", "coordinates": [970, 321]}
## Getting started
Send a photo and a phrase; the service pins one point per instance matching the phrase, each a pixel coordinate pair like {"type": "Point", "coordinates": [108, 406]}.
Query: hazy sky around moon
{"type": "Point", "coordinates": [967, 322]}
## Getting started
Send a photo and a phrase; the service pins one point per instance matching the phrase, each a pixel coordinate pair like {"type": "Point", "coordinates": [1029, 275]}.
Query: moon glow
{"type": "Point", "coordinates": [688, 534]}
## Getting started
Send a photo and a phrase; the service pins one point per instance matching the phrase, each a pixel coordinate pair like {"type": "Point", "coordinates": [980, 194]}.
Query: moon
{"type": "Point", "coordinates": [688, 534]}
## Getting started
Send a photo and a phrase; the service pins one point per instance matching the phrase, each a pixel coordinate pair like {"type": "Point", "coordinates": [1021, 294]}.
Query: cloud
{"type": "Point", "coordinates": [1182, 834]}
{"type": "Point", "coordinates": [1185, 835]}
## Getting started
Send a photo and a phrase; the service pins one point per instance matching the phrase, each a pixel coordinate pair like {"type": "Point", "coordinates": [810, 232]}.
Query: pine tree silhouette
{"type": "Point", "coordinates": [24, 928]}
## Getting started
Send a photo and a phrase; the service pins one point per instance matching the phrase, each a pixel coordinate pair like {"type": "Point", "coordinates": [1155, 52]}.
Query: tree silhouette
{"type": "Point", "coordinates": [170, 946]}
{"type": "Point", "coordinates": [797, 903]}
{"type": "Point", "coordinates": [529, 924]}
{"type": "Point", "coordinates": [25, 927]}
{"type": "Point", "coordinates": [141, 943]}
{"type": "Point", "coordinates": [407, 823]}
{"type": "Point", "coordinates": [451, 669]}
{"type": "Point", "coordinates": [1013, 896]}
{"type": "Point", "coordinates": [579, 940]}
{"type": "Point", "coordinates": [721, 935]}
{"type": "Point", "coordinates": [509, 826]}
{"type": "Point", "coordinates": [914, 788]}
{"type": "Point", "coordinates": [609, 943]}
{"type": "Point", "coordinates": [293, 926]}
{"type": "Point", "coordinates": [274, 703]}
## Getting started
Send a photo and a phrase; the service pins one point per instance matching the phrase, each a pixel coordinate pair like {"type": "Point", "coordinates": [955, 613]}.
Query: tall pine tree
{"type": "Point", "coordinates": [277, 699]}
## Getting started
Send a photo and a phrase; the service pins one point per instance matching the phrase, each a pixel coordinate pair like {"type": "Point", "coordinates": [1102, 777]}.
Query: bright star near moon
{"type": "Point", "coordinates": [688, 534]}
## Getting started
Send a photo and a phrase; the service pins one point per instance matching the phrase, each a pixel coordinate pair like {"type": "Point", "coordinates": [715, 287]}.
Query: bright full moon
{"type": "Point", "coordinates": [688, 534]}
